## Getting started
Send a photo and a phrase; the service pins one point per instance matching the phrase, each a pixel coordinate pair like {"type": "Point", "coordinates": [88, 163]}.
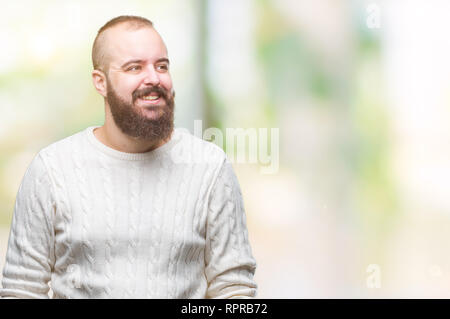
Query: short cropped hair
{"type": "Point", "coordinates": [98, 49]}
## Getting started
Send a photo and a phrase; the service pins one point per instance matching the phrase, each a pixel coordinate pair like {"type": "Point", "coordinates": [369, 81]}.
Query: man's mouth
{"type": "Point", "coordinates": [151, 98]}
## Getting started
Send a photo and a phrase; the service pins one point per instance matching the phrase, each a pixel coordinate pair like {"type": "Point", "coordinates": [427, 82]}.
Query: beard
{"type": "Point", "coordinates": [132, 121]}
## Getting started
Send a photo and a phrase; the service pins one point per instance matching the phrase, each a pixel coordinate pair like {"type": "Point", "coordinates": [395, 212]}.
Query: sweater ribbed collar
{"type": "Point", "coordinates": [89, 133]}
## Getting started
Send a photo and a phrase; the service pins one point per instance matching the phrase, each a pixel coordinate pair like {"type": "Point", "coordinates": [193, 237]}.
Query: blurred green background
{"type": "Point", "coordinates": [362, 112]}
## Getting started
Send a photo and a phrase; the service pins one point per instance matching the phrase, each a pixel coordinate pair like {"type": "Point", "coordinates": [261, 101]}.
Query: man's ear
{"type": "Point", "coordinates": [99, 80]}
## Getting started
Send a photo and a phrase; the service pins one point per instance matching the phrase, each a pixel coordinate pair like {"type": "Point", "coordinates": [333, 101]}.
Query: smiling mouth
{"type": "Point", "coordinates": [151, 99]}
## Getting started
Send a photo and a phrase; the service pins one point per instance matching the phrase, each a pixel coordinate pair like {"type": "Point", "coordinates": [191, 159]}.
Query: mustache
{"type": "Point", "coordinates": [162, 92]}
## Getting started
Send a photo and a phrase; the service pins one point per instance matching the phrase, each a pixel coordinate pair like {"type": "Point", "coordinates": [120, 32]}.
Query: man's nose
{"type": "Point", "coordinates": [151, 76]}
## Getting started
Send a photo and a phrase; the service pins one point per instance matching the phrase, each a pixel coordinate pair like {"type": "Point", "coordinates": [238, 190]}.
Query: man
{"type": "Point", "coordinates": [134, 208]}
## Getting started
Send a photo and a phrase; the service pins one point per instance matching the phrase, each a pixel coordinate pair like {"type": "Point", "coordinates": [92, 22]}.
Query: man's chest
{"type": "Point", "coordinates": [134, 206]}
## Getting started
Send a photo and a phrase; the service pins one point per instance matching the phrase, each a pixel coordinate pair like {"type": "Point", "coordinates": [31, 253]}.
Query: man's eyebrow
{"type": "Point", "coordinates": [142, 61]}
{"type": "Point", "coordinates": [132, 61]}
{"type": "Point", "coordinates": [162, 60]}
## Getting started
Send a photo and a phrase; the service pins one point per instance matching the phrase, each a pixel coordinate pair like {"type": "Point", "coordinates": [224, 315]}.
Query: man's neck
{"type": "Point", "coordinates": [111, 136]}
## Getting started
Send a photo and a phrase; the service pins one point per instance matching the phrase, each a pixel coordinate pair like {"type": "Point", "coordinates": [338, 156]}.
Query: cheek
{"type": "Point", "coordinates": [166, 81]}
{"type": "Point", "coordinates": [125, 86]}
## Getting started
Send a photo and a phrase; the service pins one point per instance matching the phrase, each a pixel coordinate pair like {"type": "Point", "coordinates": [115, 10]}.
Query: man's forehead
{"type": "Point", "coordinates": [123, 43]}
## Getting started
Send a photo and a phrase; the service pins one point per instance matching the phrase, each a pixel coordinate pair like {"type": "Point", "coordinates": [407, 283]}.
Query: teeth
{"type": "Point", "coordinates": [151, 97]}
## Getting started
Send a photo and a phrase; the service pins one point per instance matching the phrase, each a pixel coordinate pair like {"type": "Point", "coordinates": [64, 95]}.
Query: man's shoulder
{"type": "Point", "coordinates": [53, 155]}
{"type": "Point", "coordinates": [64, 145]}
{"type": "Point", "coordinates": [190, 148]}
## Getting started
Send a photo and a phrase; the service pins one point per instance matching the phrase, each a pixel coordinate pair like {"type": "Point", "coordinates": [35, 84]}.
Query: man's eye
{"type": "Point", "coordinates": [163, 67]}
{"type": "Point", "coordinates": [134, 68]}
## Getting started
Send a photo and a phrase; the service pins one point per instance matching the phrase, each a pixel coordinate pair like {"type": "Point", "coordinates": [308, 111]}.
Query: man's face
{"type": "Point", "coordinates": [139, 87]}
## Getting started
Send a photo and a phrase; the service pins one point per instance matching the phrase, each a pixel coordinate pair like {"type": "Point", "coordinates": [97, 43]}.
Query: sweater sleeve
{"type": "Point", "coordinates": [30, 254]}
{"type": "Point", "coordinates": [230, 265]}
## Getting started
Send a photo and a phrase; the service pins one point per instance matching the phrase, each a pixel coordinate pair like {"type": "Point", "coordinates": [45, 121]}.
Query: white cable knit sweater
{"type": "Point", "coordinates": [99, 223]}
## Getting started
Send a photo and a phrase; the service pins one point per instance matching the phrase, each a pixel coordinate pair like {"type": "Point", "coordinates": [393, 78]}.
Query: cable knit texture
{"type": "Point", "coordinates": [94, 222]}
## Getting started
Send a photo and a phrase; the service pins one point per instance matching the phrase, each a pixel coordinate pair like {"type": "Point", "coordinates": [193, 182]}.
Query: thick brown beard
{"type": "Point", "coordinates": [132, 122]}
